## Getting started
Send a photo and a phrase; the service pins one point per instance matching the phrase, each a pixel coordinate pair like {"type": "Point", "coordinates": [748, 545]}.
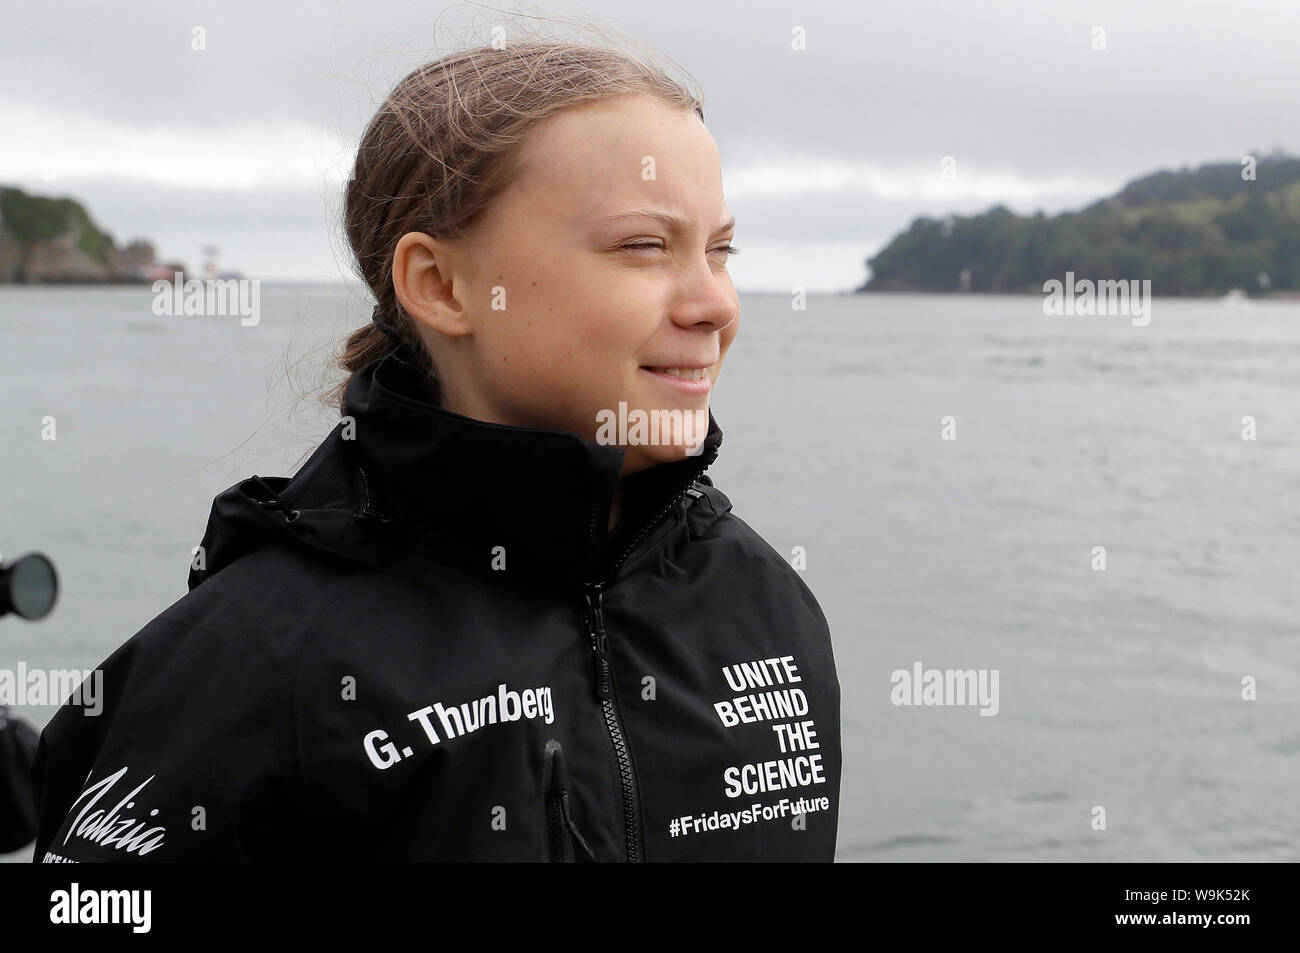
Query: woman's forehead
{"type": "Point", "coordinates": [605, 163]}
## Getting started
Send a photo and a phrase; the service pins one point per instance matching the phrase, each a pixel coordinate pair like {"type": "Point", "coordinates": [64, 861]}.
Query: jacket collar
{"type": "Point", "coordinates": [469, 486]}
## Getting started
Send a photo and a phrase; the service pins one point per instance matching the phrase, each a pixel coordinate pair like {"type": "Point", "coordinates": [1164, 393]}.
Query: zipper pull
{"type": "Point", "coordinates": [599, 643]}
{"type": "Point", "coordinates": [556, 784]}
{"type": "Point", "coordinates": [572, 827]}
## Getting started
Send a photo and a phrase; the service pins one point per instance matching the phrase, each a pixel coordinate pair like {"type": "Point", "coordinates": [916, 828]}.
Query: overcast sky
{"type": "Point", "coordinates": [827, 152]}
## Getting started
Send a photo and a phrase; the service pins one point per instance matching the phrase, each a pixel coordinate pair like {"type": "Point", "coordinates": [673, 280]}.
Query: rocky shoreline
{"type": "Point", "coordinates": [47, 240]}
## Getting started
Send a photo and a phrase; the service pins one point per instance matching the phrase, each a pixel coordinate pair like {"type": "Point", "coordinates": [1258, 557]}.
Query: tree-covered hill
{"type": "Point", "coordinates": [1191, 232]}
{"type": "Point", "coordinates": [45, 239]}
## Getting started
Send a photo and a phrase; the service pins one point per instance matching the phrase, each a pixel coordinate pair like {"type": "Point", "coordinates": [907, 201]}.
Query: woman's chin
{"type": "Point", "coordinates": [659, 435]}
{"type": "Point", "coordinates": [644, 457]}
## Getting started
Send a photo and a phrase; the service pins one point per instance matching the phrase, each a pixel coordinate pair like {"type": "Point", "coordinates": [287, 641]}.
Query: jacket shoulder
{"type": "Point", "coordinates": [265, 594]}
{"type": "Point", "coordinates": [195, 710]}
{"type": "Point", "coordinates": [747, 554]}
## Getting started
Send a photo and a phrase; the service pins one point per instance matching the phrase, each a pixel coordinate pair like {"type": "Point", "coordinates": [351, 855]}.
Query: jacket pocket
{"type": "Point", "coordinates": [561, 832]}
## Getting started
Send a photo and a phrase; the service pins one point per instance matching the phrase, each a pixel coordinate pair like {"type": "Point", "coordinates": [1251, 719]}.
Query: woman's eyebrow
{"type": "Point", "coordinates": [671, 221]}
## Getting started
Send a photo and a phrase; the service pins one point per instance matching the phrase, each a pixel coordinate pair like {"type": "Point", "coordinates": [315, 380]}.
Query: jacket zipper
{"type": "Point", "coordinates": [603, 669]}
{"type": "Point", "coordinates": [604, 678]}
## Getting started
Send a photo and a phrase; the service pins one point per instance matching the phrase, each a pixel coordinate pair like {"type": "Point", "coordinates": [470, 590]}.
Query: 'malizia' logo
{"type": "Point", "coordinates": [111, 828]}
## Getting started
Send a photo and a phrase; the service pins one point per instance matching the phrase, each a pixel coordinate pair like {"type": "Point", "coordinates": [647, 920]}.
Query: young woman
{"type": "Point", "coordinates": [492, 617]}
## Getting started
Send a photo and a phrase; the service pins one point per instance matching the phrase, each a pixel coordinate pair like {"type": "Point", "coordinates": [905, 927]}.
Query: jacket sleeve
{"type": "Point", "coordinates": [182, 752]}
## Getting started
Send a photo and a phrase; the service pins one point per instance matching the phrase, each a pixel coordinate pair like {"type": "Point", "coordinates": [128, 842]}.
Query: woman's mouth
{"type": "Point", "coordinates": [687, 380]}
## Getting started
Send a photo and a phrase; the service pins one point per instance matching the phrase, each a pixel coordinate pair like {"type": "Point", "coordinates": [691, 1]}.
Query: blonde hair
{"type": "Point", "coordinates": [447, 141]}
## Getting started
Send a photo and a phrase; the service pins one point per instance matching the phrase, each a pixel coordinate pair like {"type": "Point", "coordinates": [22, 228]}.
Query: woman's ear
{"type": "Point", "coordinates": [425, 282]}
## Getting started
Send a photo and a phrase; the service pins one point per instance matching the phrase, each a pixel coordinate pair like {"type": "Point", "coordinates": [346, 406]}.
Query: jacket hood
{"type": "Point", "coordinates": [398, 464]}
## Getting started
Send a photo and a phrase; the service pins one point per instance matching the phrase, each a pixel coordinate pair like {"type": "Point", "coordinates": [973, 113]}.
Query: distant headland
{"type": "Point", "coordinates": [1223, 227]}
{"type": "Point", "coordinates": [54, 241]}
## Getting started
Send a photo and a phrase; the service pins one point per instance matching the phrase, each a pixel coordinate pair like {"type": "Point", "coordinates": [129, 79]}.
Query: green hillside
{"type": "Point", "coordinates": [1191, 232]}
{"type": "Point", "coordinates": [29, 219]}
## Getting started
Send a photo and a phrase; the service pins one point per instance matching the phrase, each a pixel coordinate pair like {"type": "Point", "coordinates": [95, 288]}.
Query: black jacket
{"type": "Point", "coordinates": [18, 742]}
{"type": "Point", "coordinates": [424, 647]}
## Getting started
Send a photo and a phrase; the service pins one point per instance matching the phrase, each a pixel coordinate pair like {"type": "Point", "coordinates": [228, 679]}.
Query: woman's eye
{"type": "Point", "coordinates": [725, 249]}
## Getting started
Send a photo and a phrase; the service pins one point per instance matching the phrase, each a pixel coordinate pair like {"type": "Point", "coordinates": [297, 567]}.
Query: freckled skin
{"type": "Point", "coordinates": [583, 314]}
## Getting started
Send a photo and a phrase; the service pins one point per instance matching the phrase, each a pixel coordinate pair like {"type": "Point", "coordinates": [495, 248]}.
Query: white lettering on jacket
{"type": "Point", "coordinates": [456, 720]}
{"type": "Point", "coordinates": [110, 829]}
